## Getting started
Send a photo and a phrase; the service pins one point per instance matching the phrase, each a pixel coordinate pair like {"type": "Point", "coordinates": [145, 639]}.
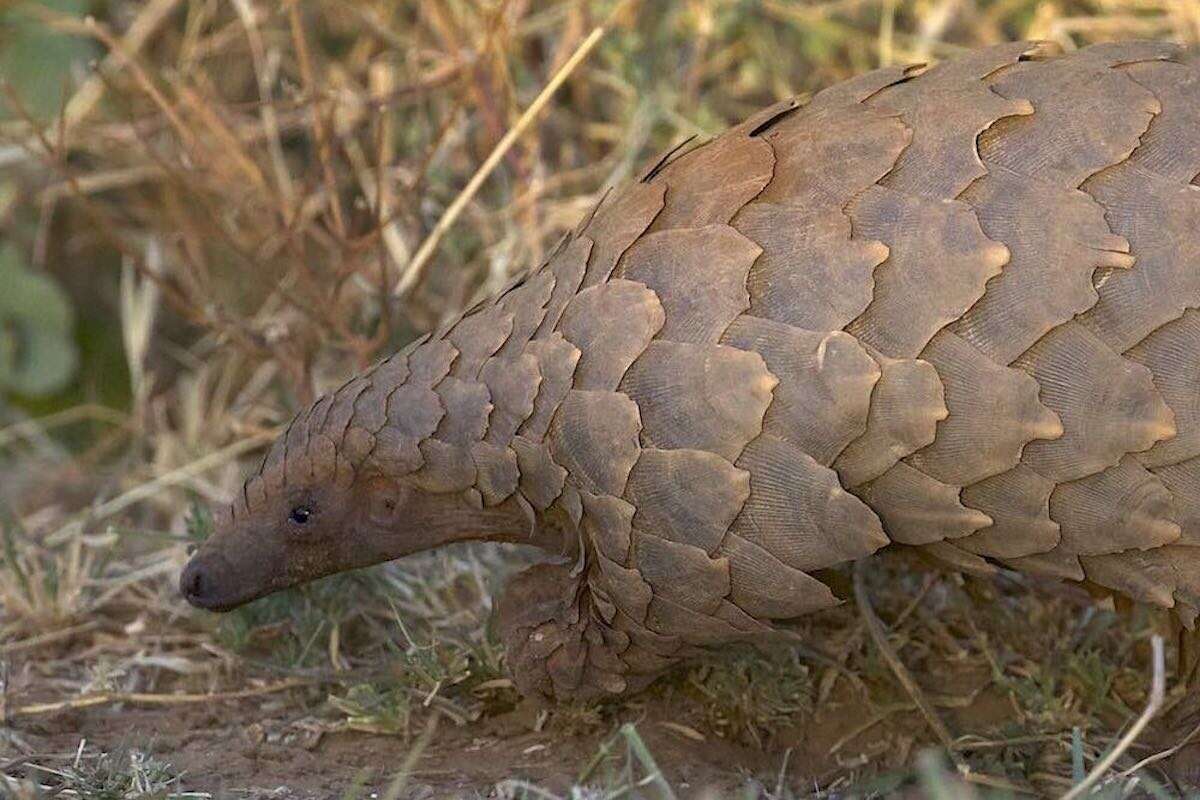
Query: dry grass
{"type": "Point", "coordinates": [228, 200]}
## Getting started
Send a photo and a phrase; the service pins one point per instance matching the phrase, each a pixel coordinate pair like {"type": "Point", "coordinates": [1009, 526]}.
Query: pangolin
{"type": "Point", "coordinates": [952, 308]}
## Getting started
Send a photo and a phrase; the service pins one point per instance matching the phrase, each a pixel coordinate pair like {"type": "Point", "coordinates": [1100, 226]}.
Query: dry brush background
{"type": "Point", "coordinates": [205, 207]}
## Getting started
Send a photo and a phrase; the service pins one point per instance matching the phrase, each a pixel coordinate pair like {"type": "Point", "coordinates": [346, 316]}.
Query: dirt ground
{"type": "Point", "coordinates": [273, 747]}
{"type": "Point", "coordinates": [247, 749]}
{"type": "Point", "coordinates": [1013, 696]}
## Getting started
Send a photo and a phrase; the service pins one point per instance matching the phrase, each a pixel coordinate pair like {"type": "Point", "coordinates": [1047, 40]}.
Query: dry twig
{"type": "Point", "coordinates": [1158, 691]}
{"type": "Point", "coordinates": [879, 637]}
{"type": "Point", "coordinates": [108, 698]}
{"type": "Point", "coordinates": [415, 267]}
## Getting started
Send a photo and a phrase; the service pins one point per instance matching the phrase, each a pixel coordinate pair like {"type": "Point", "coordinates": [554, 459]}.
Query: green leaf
{"type": "Point", "coordinates": [37, 353]}
{"type": "Point", "coordinates": [37, 60]}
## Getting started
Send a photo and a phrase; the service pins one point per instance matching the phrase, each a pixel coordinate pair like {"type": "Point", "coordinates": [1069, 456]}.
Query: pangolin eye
{"type": "Point", "coordinates": [300, 514]}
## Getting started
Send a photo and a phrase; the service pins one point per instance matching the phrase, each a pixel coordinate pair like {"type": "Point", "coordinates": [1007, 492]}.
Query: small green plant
{"type": "Point", "coordinates": [43, 588]}
{"type": "Point", "coordinates": [119, 775]}
{"type": "Point", "coordinates": [37, 354]}
{"type": "Point", "coordinates": [290, 624]}
{"type": "Point", "coordinates": [199, 522]}
{"type": "Point", "coordinates": [376, 709]}
{"type": "Point", "coordinates": [419, 673]}
{"type": "Point", "coordinates": [749, 694]}
{"type": "Point", "coordinates": [1092, 674]}
{"type": "Point", "coordinates": [623, 766]}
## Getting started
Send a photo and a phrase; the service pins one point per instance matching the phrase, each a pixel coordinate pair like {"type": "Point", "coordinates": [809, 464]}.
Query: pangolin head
{"type": "Point", "coordinates": [335, 493]}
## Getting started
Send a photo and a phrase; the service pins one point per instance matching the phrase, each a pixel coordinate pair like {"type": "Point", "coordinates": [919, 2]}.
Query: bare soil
{"type": "Point", "coordinates": [266, 747]}
{"type": "Point", "coordinates": [282, 746]}
{"type": "Point", "coordinates": [1012, 667]}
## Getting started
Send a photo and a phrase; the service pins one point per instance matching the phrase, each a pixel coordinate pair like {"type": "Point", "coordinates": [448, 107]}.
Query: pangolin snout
{"type": "Point", "coordinates": [201, 584]}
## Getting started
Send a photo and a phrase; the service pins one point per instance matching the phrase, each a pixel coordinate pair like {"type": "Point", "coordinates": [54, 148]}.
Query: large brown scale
{"type": "Point", "coordinates": [953, 308]}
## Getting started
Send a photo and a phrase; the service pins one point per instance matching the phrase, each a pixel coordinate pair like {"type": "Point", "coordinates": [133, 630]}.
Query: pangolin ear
{"type": "Point", "coordinates": [384, 499]}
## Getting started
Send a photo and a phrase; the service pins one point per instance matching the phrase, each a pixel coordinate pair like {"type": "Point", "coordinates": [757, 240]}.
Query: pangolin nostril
{"type": "Point", "coordinates": [192, 582]}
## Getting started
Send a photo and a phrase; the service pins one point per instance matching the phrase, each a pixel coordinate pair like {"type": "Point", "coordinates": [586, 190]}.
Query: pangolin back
{"type": "Point", "coordinates": [954, 308]}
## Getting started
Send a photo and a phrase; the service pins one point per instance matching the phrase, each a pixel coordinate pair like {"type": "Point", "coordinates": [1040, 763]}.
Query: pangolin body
{"type": "Point", "coordinates": [954, 308]}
